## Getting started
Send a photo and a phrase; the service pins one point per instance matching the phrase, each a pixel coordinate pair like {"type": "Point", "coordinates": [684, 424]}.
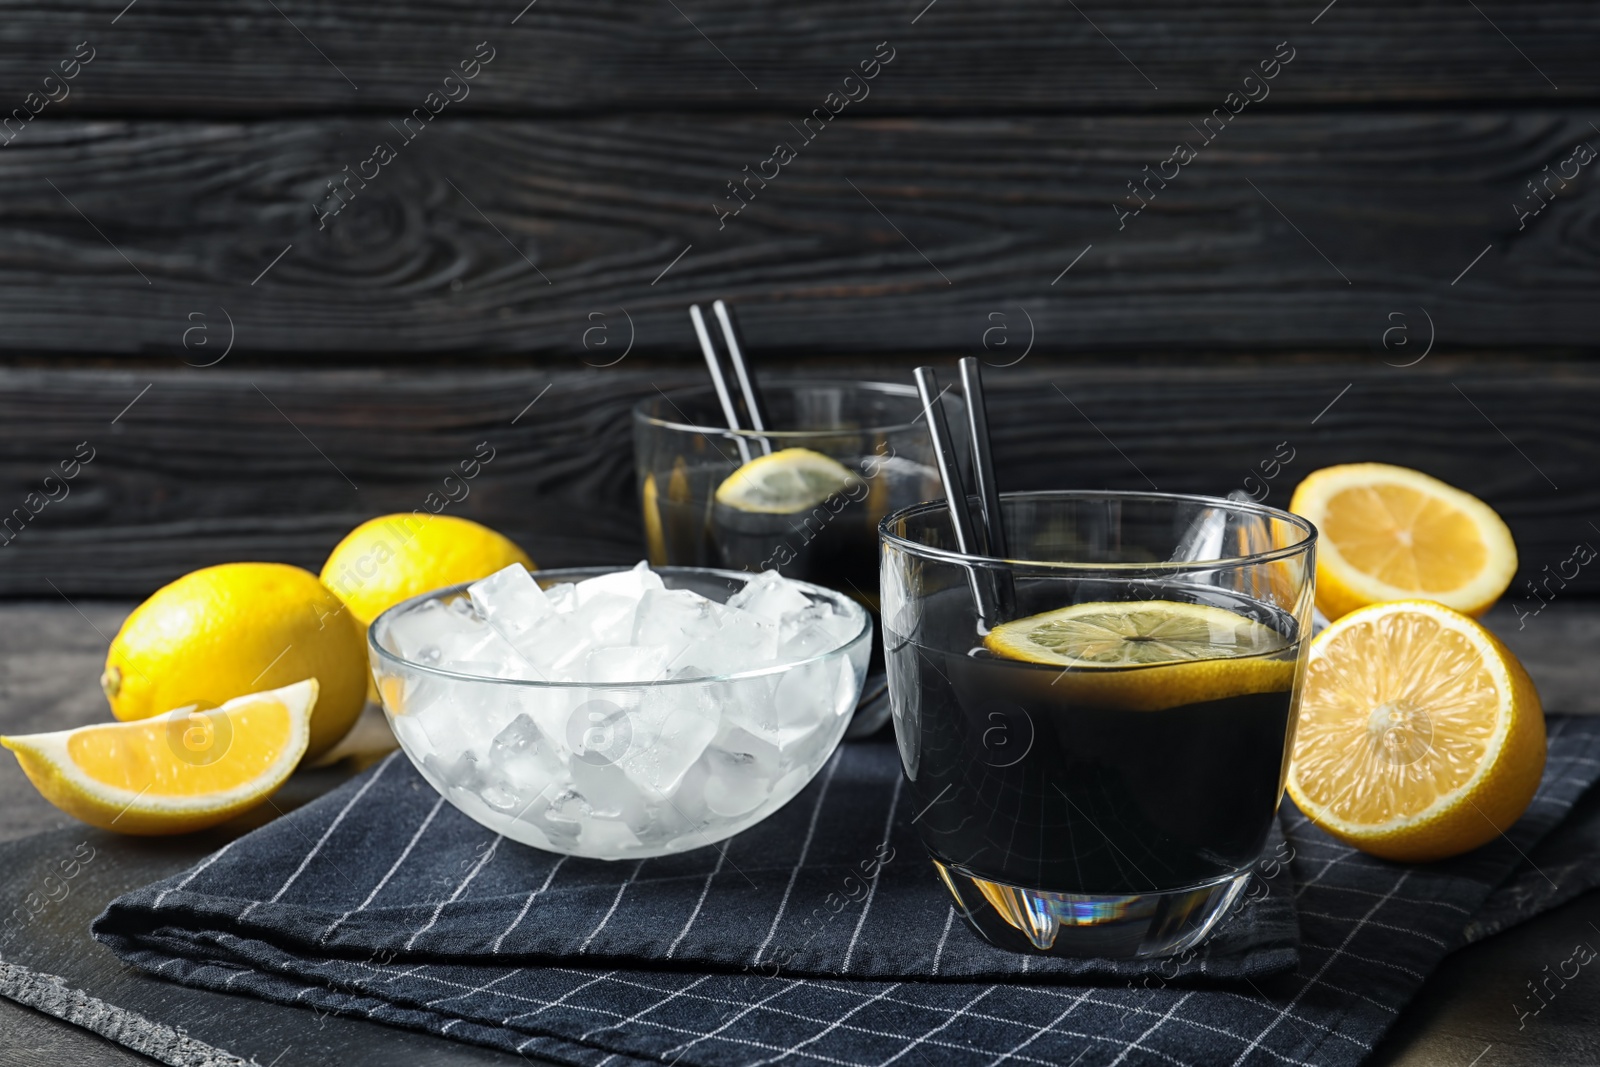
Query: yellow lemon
{"type": "Point", "coordinates": [1392, 533]}
{"type": "Point", "coordinates": [396, 557]}
{"type": "Point", "coordinates": [1149, 655]}
{"type": "Point", "coordinates": [172, 773]}
{"type": "Point", "coordinates": [787, 481]}
{"type": "Point", "coordinates": [655, 536]}
{"type": "Point", "coordinates": [1420, 734]}
{"type": "Point", "coordinates": [237, 628]}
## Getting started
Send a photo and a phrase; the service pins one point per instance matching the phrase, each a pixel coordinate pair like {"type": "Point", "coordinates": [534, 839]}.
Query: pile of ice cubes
{"type": "Point", "coordinates": [667, 729]}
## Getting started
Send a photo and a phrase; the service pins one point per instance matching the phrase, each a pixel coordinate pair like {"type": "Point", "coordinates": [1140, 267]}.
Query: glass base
{"type": "Point", "coordinates": [1102, 925]}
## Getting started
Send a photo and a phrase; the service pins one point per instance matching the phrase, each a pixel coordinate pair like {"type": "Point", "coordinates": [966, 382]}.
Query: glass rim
{"type": "Point", "coordinates": [863, 631]}
{"type": "Point", "coordinates": [1307, 528]}
{"type": "Point", "coordinates": [897, 389]}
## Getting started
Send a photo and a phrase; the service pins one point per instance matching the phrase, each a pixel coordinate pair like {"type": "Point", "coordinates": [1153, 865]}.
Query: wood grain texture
{"type": "Point", "coordinates": [168, 56]}
{"type": "Point", "coordinates": [218, 465]}
{"type": "Point", "coordinates": [507, 236]}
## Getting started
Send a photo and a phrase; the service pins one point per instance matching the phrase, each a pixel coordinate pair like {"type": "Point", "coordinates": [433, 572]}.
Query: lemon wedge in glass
{"type": "Point", "coordinates": [783, 483]}
{"type": "Point", "coordinates": [1149, 655]}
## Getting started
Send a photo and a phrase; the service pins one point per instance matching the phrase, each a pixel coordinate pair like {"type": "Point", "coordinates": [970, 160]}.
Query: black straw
{"type": "Point", "coordinates": [719, 380]}
{"type": "Point", "coordinates": [955, 493]}
{"type": "Point", "coordinates": [754, 405]}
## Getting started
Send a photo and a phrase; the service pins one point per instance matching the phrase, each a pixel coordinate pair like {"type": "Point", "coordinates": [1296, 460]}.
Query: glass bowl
{"type": "Point", "coordinates": [623, 770]}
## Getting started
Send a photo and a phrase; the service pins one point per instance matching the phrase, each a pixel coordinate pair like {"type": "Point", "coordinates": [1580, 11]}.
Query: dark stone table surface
{"type": "Point", "coordinates": [50, 659]}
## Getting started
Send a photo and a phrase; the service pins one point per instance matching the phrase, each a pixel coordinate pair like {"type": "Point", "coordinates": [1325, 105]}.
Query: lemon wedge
{"type": "Point", "coordinates": [1392, 533]}
{"type": "Point", "coordinates": [1420, 737]}
{"type": "Point", "coordinates": [172, 773]}
{"type": "Point", "coordinates": [1149, 655]}
{"type": "Point", "coordinates": [785, 482]}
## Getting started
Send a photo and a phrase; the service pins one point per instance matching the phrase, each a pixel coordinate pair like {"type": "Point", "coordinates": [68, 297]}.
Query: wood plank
{"type": "Point", "coordinates": [320, 55]}
{"type": "Point", "coordinates": [508, 236]}
{"type": "Point", "coordinates": [255, 463]}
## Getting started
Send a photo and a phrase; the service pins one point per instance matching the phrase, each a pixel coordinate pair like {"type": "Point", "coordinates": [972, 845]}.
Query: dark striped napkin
{"type": "Point", "coordinates": [820, 935]}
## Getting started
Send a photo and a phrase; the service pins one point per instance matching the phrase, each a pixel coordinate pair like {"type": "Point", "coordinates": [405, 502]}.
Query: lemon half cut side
{"type": "Point", "coordinates": [1420, 736]}
{"type": "Point", "coordinates": [1392, 533]}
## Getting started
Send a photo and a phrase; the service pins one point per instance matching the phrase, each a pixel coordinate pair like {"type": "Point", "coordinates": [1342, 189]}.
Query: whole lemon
{"type": "Point", "coordinates": [238, 628]}
{"type": "Point", "coordinates": [395, 557]}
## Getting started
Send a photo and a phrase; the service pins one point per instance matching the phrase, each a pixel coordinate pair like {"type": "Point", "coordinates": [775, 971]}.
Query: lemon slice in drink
{"type": "Point", "coordinates": [172, 773]}
{"type": "Point", "coordinates": [785, 482]}
{"type": "Point", "coordinates": [1149, 655]}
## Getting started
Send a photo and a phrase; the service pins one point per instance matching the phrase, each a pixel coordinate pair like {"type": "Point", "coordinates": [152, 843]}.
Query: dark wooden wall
{"type": "Point", "coordinates": [1367, 210]}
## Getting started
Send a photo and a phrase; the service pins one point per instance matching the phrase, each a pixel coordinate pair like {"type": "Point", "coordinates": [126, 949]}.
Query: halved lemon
{"type": "Point", "coordinates": [1420, 735]}
{"type": "Point", "coordinates": [1149, 655]}
{"type": "Point", "coordinates": [1392, 533]}
{"type": "Point", "coordinates": [172, 773]}
{"type": "Point", "coordinates": [787, 481]}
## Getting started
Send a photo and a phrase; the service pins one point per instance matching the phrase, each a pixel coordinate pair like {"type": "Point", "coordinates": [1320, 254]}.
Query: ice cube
{"type": "Point", "coordinates": [494, 659]}
{"type": "Point", "coordinates": [686, 809]}
{"type": "Point", "coordinates": [674, 619]}
{"type": "Point", "coordinates": [437, 723]}
{"type": "Point", "coordinates": [630, 584]}
{"type": "Point", "coordinates": [741, 771]}
{"type": "Point", "coordinates": [740, 642]}
{"type": "Point", "coordinates": [554, 649]}
{"type": "Point", "coordinates": [609, 792]}
{"type": "Point", "coordinates": [625, 663]}
{"type": "Point", "coordinates": [771, 596]}
{"type": "Point", "coordinates": [437, 635]}
{"type": "Point", "coordinates": [605, 838]}
{"type": "Point", "coordinates": [524, 759]}
{"type": "Point", "coordinates": [409, 732]}
{"type": "Point", "coordinates": [605, 618]}
{"type": "Point", "coordinates": [411, 693]}
{"type": "Point", "coordinates": [567, 805]}
{"type": "Point", "coordinates": [563, 596]}
{"type": "Point", "coordinates": [812, 631]}
{"type": "Point", "coordinates": [736, 744]}
{"type": "Point", "coordinates": [790, 708]}
{"type": "Point", "coordinates": [792, 783]}
{"type": "Point", "coordinates": [510, 601]}
{"type": "Point", "coordinates": [599, 731]}
{"type": "Point", "coordinates": [550, 707]}
{"type": "Point", "coordinates": [412, 631]}
{"type": "Point", "coordinates": [671, 727]}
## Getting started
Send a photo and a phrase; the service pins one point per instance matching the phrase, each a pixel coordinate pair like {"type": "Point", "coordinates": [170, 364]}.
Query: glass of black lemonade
{"type": "Point", "coordinates": [804, 498]}
{"type": "Point", "coordinates": [1098, 761]}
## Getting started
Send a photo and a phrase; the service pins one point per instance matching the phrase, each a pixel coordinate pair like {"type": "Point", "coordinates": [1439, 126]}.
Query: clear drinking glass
{"type": "Point", "coordinates": [1099, 781]}
{"type": "Point", "coordinates": [804, 498]}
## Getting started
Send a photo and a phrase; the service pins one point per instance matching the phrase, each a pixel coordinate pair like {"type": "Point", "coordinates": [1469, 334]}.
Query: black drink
{"type": "Point", "coordinates": [1025, 778]}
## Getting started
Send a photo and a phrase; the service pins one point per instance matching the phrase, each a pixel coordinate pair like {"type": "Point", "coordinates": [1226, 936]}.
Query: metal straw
{"type": "Point", "coordinates": [955, 493]}
{"type": "Point", "coordinates": [719, 380]}
{"type": "Point", "coordinates": [994, 530]}
{"type": "Point", "coordinates": [754, 406]}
